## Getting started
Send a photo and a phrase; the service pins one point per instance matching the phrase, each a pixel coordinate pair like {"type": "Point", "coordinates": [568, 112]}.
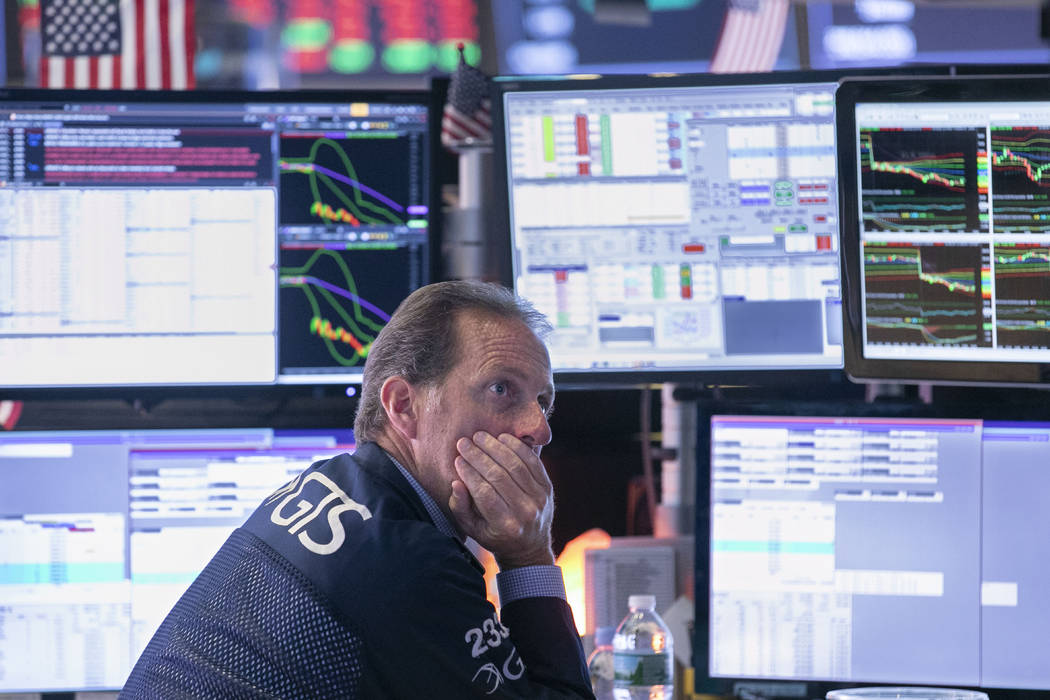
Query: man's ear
{"type": "Point", "coordinates": [399, 399]}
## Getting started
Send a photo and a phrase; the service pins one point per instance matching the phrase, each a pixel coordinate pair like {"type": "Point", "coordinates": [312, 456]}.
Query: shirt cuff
{"type": "Point", "coordinates": [544, 580]}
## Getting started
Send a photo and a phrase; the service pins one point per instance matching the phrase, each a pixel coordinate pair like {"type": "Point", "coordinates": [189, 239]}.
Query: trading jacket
{"type": "Point", "coordinates": [340, 586]}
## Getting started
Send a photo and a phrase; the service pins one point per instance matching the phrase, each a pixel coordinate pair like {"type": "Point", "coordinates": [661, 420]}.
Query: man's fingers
{"type": "Point", "coordinates": [529, 458]}
{"type": "Point", "coordinates": [510, 496]}
{"type": "Point", "coordinates": [462, 506]}
{"type": "Point", "coordinates": [504, 460]}
{"type": "Point", "coordinates": [487, 496]}
{"type": "Point", "coordinates": [488, 457]}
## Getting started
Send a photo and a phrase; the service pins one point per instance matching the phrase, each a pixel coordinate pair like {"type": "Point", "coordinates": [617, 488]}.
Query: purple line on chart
{"type": "Point", "coordinates": [343, 178]}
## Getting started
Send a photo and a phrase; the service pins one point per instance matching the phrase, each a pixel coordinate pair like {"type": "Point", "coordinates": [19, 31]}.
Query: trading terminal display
{"type": "Point", "coordinates": [954, 229]}
{"type": "Point", "coordinates": [102, 531]}
{"type": "Point", "coordinates": [873, 550]}
{"type": "Point", "coordinates": [677, 228]}
{"type": "Point", "coordinates": [353, 240]}
{"type": "Point", "coordinates": [241, 238]}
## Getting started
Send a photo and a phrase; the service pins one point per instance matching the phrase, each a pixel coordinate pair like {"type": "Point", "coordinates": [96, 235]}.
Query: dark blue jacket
{"type": "Point", "coordinates": [340, 586]}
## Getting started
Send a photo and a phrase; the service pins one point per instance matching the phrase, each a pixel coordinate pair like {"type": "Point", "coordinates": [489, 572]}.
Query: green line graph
{"type": "Point", "coordinates": [926, 294]}
{"type": "Point", "coordinates": [944, 169]}
{"type": "Point", "coordinates": [330, 173]}
{"type": "Point", "coordinates": [361, 329]}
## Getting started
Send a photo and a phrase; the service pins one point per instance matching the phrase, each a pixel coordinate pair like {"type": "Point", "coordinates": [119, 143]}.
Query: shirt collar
{"type": "Point", "coordinates": [440, 521]}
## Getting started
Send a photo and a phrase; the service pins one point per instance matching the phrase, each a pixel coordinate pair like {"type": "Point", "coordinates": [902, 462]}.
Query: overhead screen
{"type": "Point", "coordinates": [946, 225]}
{"type": "Point", "coordinates": [162, 238]}
{"type": "Point", "coordinates": [853, 549]}
{"type": "Point", "coordinates": [562, 36]}
{"type": "Point", "coordinates": [676, 225]}
{"type": "Point", "coordinates": [102, 531]}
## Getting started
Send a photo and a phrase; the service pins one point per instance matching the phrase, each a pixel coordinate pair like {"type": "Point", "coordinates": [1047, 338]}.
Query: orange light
{"type": "Point", "coordinates": [571, 562]}
{"type": "Point", "coordinates": [487, 560]}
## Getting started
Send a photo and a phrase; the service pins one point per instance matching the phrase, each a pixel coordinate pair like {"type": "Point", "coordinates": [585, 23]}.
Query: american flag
{"type": "Point", "coordinates": [752, 33]}
{"type": "Point", "coordinates": [10, 411]}
{"type": "Point", "coordinates": [467, 106]}
{"type": "Point", "coordinates": [128, 44]}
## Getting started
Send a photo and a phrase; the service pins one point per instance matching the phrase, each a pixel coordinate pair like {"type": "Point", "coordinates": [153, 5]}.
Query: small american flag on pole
{"type": "Point", "coordinates": [130, 44]}
{"type": "Point", "coordinates": [752, 33]}
{"type": "Point", "coordinates": [10, 411]}
{"type": "Point", "coordinates": [467, 106]}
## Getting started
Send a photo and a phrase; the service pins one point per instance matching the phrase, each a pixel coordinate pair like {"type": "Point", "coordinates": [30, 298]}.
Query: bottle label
{"type": "Point", "coordinates": [641, 669]}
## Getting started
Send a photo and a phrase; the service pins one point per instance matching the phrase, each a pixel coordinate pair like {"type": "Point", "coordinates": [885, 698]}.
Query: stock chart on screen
{"type": "Point", "coordinates": [952, 203]}
{"type": "Point", "coordinates": [954, 223]}
{"type": "Point", "coordinates": [209, 238]}
{"type": "Point", "coordinates": [337, 290]}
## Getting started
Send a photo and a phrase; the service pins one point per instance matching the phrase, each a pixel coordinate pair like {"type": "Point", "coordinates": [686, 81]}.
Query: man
{"type": "Point", "coordinates": [353, 579]}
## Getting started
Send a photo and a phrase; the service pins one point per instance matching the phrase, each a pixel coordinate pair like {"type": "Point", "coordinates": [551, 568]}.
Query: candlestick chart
{"type": "Point", "coordinates": [330, 180]}
{"type": "Point", "coordinates": [1021, 179]}
{"type": "Point", "coordinates": [924, 180]}
{"type": "Point", "coordinates": [334, 300]}
{"type": "Point", "coordinates": [1022, 294]}
{"type": "Point", "coordinates": [926, 294]}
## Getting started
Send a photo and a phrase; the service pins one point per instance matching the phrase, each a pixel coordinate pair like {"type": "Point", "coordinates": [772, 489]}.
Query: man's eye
{"type": "Point", "coordinates": [498, 388]}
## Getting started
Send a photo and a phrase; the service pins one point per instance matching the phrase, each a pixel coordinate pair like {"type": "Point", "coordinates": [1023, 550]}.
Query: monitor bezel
{"type": "Point", "coordinates": [970, 86]}
{"type": "Point", "coordinates": [503, 85]}
{"type": "Point", "coordinates": [167, 435]}
{"type": "Point", "coordinates": [316, 386]}
{"type": "Point", "coordinates": [990, 403]}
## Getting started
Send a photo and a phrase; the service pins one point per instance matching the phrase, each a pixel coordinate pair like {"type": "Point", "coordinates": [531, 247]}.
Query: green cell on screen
{"type": "Point", "coordinates": [306, 34]}
{"type": "Point", "coordinates": [652, 5]}
{"type": "Point", "coordinates": [408, 56]}
{"type": "Point", "coordinates": [351, 56]}
{"type": "Point", "coordinates": [371, 245]}
{"type": "Point", "coordinates": [659, 284]}
{"type": "Point", "coordinates": [547, 123]}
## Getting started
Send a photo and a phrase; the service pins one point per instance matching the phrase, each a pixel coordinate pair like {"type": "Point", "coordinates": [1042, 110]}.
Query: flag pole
{"type": "Point", "coordinates": [468, 250]}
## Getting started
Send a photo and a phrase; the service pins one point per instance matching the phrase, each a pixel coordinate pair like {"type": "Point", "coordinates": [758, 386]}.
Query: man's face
{"type": "Point", "coordinates": [501, 383]}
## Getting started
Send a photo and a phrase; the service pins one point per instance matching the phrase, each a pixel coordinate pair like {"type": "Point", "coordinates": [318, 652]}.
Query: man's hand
{"type": "Point", "coordinates": [504, 499]}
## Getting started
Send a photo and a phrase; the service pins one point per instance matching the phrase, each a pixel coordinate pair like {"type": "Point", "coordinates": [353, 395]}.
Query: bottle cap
{"type": "Point", "coordinates": [644, 602]}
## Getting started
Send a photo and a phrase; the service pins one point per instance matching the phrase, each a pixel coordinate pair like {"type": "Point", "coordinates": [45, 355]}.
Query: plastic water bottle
{"type": "Point", "coordinates": [600, 664]}
{"type": "Point", "coordinates": [643, 654]}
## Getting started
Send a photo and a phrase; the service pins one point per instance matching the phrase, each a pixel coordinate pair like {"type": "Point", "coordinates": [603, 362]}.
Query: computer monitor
{"type": "Point", "coordinates": [102, 531]}
{"type": "Point", "coordinates": [675, 225]}
{"type": "Point", "coordinates": [865, 547]}
{"type": "Point", "coordinates": [848, 35]}
{"type": "Point", "coordinates": [164, 239]}
{"type": "Point", "coordinates": [563, 36]}
{"type": "Point", "coordinates": [944, 223]}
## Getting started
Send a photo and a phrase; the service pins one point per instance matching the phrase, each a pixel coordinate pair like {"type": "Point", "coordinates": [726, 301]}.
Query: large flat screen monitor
{"type": "Point", "coordinates": [852, 34]}
{"type": "Point", "coordinates": [946, 228]}
{"type": "Point", "coordinates": [102, 531]}
{"type": "Point", "coordinates": [870, 548]}
{"type": "Point", "coordinates": [158, 238]}
{"type": "Point", "coordinates": [676, 225]}
{"type": "Point", "coordinates": [567, 36]}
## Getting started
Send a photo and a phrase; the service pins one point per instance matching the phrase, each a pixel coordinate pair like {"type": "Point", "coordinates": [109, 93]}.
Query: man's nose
{"type": "Point", "coordinates": [535, 430]}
